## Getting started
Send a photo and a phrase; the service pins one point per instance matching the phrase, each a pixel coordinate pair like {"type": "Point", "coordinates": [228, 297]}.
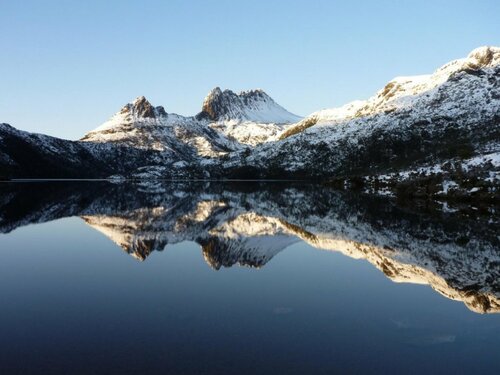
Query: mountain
{"type": "Point", "coordinates": [448, 119]}
{"type": "Point", "coordinates": [426, 136]}
{"type": "Point", "coordinates": [143, 141]}
{"type": "Point", "coordinates": [226, 122]}
{"type": "Point", "coordinates": [139, 124]}
{"type": "Point", "coordinates": [253, 105]}
{"type": "Point", "coordinates": [250, 117]}
{"type": "Point", "coordinates": [453, 250]}
{"type": "Point", "coordinates": [28, 155]}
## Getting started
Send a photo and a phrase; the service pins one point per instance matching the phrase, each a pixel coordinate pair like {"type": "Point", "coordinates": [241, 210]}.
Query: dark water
{"type": "Point", "coordinates": [100, 278]}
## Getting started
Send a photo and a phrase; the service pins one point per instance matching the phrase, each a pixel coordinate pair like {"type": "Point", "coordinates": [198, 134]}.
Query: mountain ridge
{"type": "Point", "coordinates": [451, 115]}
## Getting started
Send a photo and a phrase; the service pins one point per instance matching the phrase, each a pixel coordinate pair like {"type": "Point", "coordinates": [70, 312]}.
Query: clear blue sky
{"type": "Point", "coordinates": [67, 66]}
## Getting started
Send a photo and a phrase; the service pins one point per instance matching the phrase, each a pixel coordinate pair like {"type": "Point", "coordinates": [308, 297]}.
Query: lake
{"type": "Point", "coordinates": [243, 278]}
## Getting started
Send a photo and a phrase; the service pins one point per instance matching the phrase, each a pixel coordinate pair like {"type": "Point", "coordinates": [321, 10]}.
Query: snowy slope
{"type": "Point", "coordinates": [226, 123]}
{"type": "Point", "coordinates": [253, 105]}
{"type": "Point", "coordinates": [24, 155]}
{"type": "Point", "coordinates": [139, 124]}
{"type": "Point", "coordinates": [455, 179]}
{"type": "Point", "coordinates": [411, 121]}
{"type": "Point", "coordinates": [250, 117]}
{"type": "Point", "coordinates": [403, 92]}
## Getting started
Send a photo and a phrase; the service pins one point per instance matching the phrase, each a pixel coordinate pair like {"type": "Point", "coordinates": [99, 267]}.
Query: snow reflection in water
{"type": "Point", "coordinates": [455, 251]}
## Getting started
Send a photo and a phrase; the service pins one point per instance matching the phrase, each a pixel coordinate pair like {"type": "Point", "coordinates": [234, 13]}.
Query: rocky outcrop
{"type": "Point", "coordinates": [141, 107]}
{"type": "Point", "coordinates": [252, 105]}
{"type": "Point", "coordinates": [216, 104]}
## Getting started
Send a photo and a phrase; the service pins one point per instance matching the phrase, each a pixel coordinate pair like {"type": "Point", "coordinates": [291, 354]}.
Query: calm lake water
{"type": "Point", "coordinates": [243, 278]}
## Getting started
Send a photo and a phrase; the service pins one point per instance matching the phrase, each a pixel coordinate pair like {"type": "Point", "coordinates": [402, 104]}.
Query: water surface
{"type": "Point", "coordinates": [248, 278]}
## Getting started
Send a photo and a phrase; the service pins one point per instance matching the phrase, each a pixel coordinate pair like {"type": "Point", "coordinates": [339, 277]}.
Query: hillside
{"type": "Point", "coordinates": [433, 135]}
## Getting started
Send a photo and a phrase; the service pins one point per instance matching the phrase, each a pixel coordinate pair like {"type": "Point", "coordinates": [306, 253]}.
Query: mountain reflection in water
{"type": "Point", "coordinates": [455, 251]}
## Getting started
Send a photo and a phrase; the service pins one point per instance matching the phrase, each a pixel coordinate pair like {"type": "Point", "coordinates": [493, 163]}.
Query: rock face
{"type": "Point", "coordinates": [141, 108]}
{"type": "Point", "coordinates": [452, 251]}
{"type": "Point", "coordinates": [217, 104]}
{"type": "Point", "coordinates": [253, 105]}
{"type": "Point", "coordinates": [411, 124]}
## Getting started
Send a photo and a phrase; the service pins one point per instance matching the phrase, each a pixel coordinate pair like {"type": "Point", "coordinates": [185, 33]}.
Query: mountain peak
{"type": "Point", "coordinates": [250, 105]}
{"type": "Point", "coordinates": [253, 92]}
{"type": "Point", "coordinates": [485, 56]}
{"type": "Point", "coordinates": [140, 99]}
{"type": "Point", "coordinates": [142, 108]}
{"type": "Point", "coordinates": [249, 96]}
{"type": "Point", "coordinates": [219, 103]}
{"type": "Point", "coordinates": [216, 91]}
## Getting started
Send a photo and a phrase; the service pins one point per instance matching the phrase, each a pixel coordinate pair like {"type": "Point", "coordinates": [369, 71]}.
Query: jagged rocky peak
{"type": "Point", "coordinates": [141, 248]}
{"type": "Point", "coordinates": [480, 58]}
{"type": "Point", "coordinates": [251, 105]}
{"type": "Point", "coordinates": [219, 252]}
{"type": "Point", "coordinates": [142, 108]}
{"type": "Point", "coordinates": [249, 96]}
{"type": "Point", "coordinates": [484, 57]}
{"type": "Point", "coordinates": [218, 104]}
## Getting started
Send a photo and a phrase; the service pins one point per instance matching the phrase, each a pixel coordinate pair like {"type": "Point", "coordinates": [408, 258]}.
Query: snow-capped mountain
{"type": "Point", "coordinates": [24, 154]}
{"type": "Point", "coordinates": [226, 122]}
{"type": "Point", "coordinates": [139, 124]}
{"type": "Point", "coordinates": [450, 115]}
{"type": "Point", "coordinates": [250, 117]}
{"type": "Point", "coordinates": [409, 92]}
{"type": "Point", "coordinates": [143, 141]}
{"type": "Point", "coordinates": [433, 122]}
{"type": "Point", "coordinates": [455, 253]}
{"type": "Point", "coordinates": [30, 155]}
{"type": "Point", "coordinates": [253, 105]}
